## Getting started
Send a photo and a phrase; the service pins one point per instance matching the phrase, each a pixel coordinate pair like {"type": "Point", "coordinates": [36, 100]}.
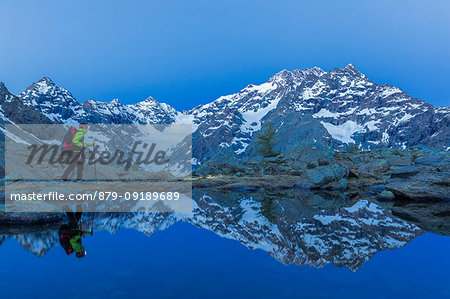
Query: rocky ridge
{"type": "Point", "coordinates": [311, 106]}
{"type": "Point", "coordinates": [418, 173]}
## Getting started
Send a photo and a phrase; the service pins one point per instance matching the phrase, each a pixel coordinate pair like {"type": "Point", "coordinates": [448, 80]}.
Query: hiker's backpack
{"type": "Point", "coordinates": [64, 240]}
{"type": "Point", "coordinates": [67, 142]}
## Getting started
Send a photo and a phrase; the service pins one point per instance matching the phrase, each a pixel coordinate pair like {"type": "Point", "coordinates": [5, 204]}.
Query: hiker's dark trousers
{"type": "Point", "coordinates": [77, 161]}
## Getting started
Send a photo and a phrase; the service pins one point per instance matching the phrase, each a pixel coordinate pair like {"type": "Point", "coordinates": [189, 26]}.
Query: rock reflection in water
{"type": "Point", "coordinates": [295, 227]}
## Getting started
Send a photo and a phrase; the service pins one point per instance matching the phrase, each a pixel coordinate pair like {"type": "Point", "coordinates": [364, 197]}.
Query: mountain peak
{"type": "Point", "coordinates": [92, 104]}
{"type": "Point", "coordinates": [315, 71]}
{"type": "Point", "coordinates": [148, 102]}
{"type": "Point", "coordinates": [4, 92]}
{"type": "Point", "coordinates": [352, 68]}
{"type": "Point", "coordinates": [149, 99]}
{"type": "Point", "coordinates": [348, 71]}
{"type": "Point", "coordinates": [300, 74]}
{"type": "Point", "coordinates": [297, 75]}
{"type": "Point", "coordinates": [43, 86]}
{"type": "Point", "coordinates": [53, 101]}
{"type": "Point", "coordinates": [46, 80]}
{"type": "Point", "coordinates": [283, 74]}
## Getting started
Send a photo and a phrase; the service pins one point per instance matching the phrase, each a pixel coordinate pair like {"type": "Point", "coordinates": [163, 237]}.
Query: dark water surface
{"type": "Point", "coordinates": [240, 246]}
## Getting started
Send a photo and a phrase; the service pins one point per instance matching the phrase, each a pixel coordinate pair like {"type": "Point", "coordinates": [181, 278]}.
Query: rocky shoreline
{"type": "Point", "coordinates": [418, 173]}
{"type": "Point", "coordinates": [17, 220]}
{"type": "Point", "coordinates": [413, 183]}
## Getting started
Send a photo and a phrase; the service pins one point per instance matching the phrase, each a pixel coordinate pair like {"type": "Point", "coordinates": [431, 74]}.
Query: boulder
{"type": "Point", "coordinates": [395, 160]}
{"type": "Point", "coordinates": [427, 184]}
{"type": "Point", "coordinates": [407, 171]}
{"type": "Point", "coordinates": [386, 195]}
{"type": "Point", "coordinates": [375, 167]}
{"type": "Point", "coordinates": [322, 176]}
{"type": "Point", "coordinates": [440, 160]}
{"type": "Point", "coordinates": [339, 185]}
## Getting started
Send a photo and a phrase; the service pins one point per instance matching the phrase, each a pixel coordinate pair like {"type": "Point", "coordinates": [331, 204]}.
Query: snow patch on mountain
{"type": "Point", "coordinates": [343, 132]}
{"type": "Point", "coordinates": [252, 118]}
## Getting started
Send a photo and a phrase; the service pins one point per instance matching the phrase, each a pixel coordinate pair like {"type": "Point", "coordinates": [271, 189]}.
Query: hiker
{"type": "Point", "coordinates": [70, 235]}
{"type": "Point", "coordinates": [74, 143]}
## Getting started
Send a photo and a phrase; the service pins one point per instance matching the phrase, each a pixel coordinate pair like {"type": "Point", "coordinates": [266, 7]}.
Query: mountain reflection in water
{"type": "Point", "coordinates": [295, 227]}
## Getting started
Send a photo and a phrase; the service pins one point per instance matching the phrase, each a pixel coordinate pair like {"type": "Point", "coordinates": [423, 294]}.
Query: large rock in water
{"type": "Point", "coordinates": [428, 178]}
{"type": "Point", "coordinates": [324, 177]}
{"type": "Point", "coordinates": [428, 183]}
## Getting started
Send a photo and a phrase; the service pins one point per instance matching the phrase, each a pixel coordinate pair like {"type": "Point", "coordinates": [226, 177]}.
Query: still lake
{"type": "Point", "coordinates": [237, 245]}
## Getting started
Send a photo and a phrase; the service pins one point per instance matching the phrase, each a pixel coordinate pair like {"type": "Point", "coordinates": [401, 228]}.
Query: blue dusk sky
{"type": "Point", "coordinates": [187, 53]}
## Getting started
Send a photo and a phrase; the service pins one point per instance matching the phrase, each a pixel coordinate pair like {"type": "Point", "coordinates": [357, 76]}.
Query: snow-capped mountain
{"type": "Point", "coordinates": [13, 110]}
{"type": "Point", "coordinates": [296, 233]}
{"type": "Point", "coordinates": [53, 101]}
{"type": "Point", "coordinates": [311, 106]}
{"type": "Point", "coordinates": [148, 111]}
{"type": "Point", "coordinates": [60, 106]}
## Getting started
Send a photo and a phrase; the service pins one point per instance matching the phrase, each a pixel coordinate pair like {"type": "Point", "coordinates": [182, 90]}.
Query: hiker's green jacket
{"type": "Point", "coordinates": [75, 241]}
{"type": "Point", "coordinates": [78, 139]}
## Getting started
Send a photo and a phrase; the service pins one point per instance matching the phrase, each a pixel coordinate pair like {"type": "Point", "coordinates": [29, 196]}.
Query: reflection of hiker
{"type": "Point", "coordinates": [70, 235]}
{"type": "Point", "coordinates": [74, 144]}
